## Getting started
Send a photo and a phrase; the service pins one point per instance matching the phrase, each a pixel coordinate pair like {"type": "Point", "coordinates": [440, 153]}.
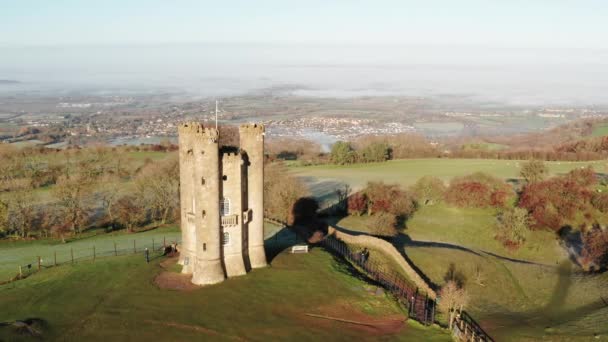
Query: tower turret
{"type": "Point", "coordinates": [203, 204]}
{"type": "Point", "coordinates": [252, 143]}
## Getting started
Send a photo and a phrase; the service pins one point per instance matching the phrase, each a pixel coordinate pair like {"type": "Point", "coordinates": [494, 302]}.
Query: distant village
{"type": "Point", "coordinates": [128, 120]}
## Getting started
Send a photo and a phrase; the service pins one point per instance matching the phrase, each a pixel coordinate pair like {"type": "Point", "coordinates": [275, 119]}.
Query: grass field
{"type": "Point", "coordinates": [115, 299]}
{"type": "Point", "coordinates": [600, 130]}
{"type": "Point", "coordinates": [484, 146]}
{"type": "Point", "coordinates": [408, 171]}
{"type": "Point", "coordinates": [22, 253]}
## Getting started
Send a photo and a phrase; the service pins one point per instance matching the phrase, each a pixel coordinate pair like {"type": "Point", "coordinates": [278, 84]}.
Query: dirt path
{"type": "Point", "coordinates": [168, 280]}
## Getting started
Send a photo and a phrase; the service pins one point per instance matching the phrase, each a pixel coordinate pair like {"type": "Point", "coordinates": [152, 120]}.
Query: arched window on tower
{"type": "Point", "coordinates": [225, 207]}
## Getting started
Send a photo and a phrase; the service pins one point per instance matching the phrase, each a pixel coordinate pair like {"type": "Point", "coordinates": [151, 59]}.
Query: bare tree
{"type": "Point", "coordinates": [71, 192]}
{"type": "Point", "coordinates": [452, 300]}
{"type": "Point", "coordinates": [158, 186]}
{"type": "Point", "coordinates": [109, 195]}
{"type": "Point", "coordinates": [3, 216]}
{"type": "Point", "coordinates": [130, 212]}
{"type": "Point", "coordinates": [22, 211]}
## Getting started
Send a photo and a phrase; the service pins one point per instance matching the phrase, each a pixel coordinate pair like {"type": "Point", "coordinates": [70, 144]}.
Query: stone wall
{"type": "Point", "coordinates": [389, 250]}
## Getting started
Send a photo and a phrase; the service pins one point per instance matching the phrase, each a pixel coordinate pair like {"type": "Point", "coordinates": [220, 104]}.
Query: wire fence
{"type": "Point", "coordinates": [70, 256]}
{"type": "Point", "coordinates": [420, 306]}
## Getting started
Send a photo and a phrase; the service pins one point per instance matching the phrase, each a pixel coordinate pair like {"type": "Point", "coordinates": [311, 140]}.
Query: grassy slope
{"type": "Point", "coordinates": [114, 299]}
{"type": "Point", "coordinates": [517, 300]}
{"type": "Point", "coordinates": [471, 228]}
{"type": "Point", "coordinates": [408, 171]}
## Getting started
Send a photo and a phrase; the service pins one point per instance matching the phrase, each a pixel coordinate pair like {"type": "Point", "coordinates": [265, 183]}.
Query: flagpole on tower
{"type": "Point", "coordinates": [216, 115]}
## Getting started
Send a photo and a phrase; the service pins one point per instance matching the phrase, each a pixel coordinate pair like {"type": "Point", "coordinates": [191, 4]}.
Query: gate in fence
{"type": "Point", "coordinates": [420, 306]}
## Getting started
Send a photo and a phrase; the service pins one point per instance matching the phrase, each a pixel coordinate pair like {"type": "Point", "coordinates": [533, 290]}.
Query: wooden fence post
{"type": "Point", "coordinates": [72, 254]}
{"type": "Point", "coordinates": [152, 245]}
{"type": "Point", "coordinates": [39, 261]}
{"type": "Point", "coordinates": [134, 248]}
{"type": "Point", "coordinates": [55, 259]}
{"type": "Point", "coordinates": [164, 242]}
{"type": "Point", "coordinates": [115, 251]}
{"type": "Point", "coordinates": [94, 253]}
{"type": "Point", "coordinates": [20, 272]}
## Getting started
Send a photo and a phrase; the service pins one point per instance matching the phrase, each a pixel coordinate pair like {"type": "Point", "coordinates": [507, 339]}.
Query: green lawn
{"type": "Point", "coordinates": [22, 253]}
{"type": "Point", "coordinates": [115, 299]}
{"type": "Point", "coordinates": [408, 171]}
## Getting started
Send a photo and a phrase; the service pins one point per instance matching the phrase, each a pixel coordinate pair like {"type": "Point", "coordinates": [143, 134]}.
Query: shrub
{"type": "Point", "coordinates": [468, 194]}
{"type": "Point", "coordinates": [583, 177]}
{"type": "Point", "coordinates": [478, 190]}
{"type": "Point", "coordinates": [375, 152]}
{"type": "Point", "coordinates": [600, 201]}
{"type": "Point", "coordinates": [388, 198]}
{"type": "Point", "coordinates": [383, 224]}
{"type": "Point", "coordinates": [595, 248]}
{"type": "Point", "coordinates": [281, 191]}
{"type": "Point", "coordinates": [342, 153]}
{"type": "Point", "coordinates": [428, 190]}
{"type": "Point", "coordinates": [512, 227]}
{"type": "Point", "coordinates": [555, 200]}
{"type": "Point", "coordinates": [357, 203]}
{"type": "Point", "coordinates": [534, 171]}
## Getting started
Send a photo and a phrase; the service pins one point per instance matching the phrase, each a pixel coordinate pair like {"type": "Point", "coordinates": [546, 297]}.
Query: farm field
{"type": "Point", "coordinates": [407, 171]}
{"type": "Point", "coordinates": [116, 299]}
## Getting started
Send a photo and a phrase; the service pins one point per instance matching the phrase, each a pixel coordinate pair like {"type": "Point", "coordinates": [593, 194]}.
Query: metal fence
{"type": "Point", "coordinates": [420, 306]}
{"type": "Point", "coordinates": [71, 256]}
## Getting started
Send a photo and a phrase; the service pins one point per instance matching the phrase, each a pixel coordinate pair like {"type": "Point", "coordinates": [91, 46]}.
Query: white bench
{"type": "Point", "coordinates": [299, 249]}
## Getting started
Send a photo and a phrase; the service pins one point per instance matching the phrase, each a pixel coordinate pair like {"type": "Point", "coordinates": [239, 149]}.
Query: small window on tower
{"type": "Point", "coordinates": [224, 177]}
{"type": "Point", "coordinates": [202, 180]}
{"type": "Point", "coordinates": [226, 238]}
{"type": "Point", "coordinates": [225, 207]}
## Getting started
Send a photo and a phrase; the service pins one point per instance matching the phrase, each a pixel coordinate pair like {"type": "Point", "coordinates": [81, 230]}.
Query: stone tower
{"type": "Point", "coordinates": [222, 208]}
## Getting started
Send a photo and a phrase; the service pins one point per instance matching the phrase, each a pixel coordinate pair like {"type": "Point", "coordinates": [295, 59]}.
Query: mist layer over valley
{"type": "Point", "coordinates": [486, 75]}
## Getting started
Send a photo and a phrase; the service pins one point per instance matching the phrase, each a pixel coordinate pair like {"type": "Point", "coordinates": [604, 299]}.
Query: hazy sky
{"type": "Point", "coordinates": [516, 23]}
{"type": "Point", "coordinates": [516, 51]}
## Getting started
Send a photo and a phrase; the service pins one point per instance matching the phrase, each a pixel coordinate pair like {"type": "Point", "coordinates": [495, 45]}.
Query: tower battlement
{"type": "Point", "coordinates": [198, 130]}
{"type": "Point", "coordinates": [232, 157]}
{"type": "Point", "coordinates": [251, 129]}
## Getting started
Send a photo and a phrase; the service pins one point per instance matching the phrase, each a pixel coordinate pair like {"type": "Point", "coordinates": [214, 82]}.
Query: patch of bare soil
{"type": "Point", "coordinates": [169, 262]}
{"type": "Point", "coordinates": [345, 314]}
{"type": "Point", "coordinates": [173, 281]}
